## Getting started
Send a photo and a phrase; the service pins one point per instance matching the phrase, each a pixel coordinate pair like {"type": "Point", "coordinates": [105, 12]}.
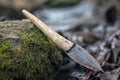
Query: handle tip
{"type": "Point", "coordinates": [23, 11]}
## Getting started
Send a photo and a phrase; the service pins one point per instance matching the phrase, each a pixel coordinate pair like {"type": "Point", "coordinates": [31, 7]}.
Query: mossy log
{"type": "Point", "coordinates": [26, 53]}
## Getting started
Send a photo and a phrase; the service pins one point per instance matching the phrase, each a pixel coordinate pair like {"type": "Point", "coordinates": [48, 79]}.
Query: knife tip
{"type": "Point", "coordinates": [99, 70]}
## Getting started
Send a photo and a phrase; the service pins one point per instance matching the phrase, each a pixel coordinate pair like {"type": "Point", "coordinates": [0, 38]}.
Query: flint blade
{"type": "Point", "coordinates": [81, 56]}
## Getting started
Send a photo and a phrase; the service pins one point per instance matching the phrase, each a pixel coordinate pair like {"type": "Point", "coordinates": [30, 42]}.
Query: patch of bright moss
{"type": "Point", "coordinates": [61, 3]}
{"type": "Point", "coordinates": [31, 59]}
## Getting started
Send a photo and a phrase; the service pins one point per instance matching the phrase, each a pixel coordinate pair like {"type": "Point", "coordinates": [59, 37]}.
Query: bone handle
{"type": "Point", "coordinates": [58, 39]}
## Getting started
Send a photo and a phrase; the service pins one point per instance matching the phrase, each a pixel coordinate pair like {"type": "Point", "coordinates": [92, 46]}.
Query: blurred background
{"type": "Point", "coordinates": [89, 23]}
{"type": "Point", "coordinates": [62, 15]}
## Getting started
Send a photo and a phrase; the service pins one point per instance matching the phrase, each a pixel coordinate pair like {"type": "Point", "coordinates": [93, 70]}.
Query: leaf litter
{"type": "Point", "coordinates": [103, 42]}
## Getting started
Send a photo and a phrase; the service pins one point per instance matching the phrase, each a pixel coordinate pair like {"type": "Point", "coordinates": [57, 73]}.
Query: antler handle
{"type": "Point", "coordinates": [58, 39]}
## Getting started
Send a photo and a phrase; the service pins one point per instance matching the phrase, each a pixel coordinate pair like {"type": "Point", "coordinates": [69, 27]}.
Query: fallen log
{"type": "Point", "coordinates": [26, 53]}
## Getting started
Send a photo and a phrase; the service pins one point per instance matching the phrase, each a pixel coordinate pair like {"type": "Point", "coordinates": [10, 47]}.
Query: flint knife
{"type": "Point", "coordinates": [74, 51]}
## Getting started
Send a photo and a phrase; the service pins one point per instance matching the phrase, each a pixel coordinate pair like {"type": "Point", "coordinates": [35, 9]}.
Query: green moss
{"type": "Point", "coordinates": [31, 59]}
{"type": "Point", "coordinates": [61, 3]}
{"type": "Point", "coordinates": [4, 58]}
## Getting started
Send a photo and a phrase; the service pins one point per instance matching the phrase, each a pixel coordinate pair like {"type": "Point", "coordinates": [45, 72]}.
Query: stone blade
{"type": "Point", "coordinates": [81, 56]}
